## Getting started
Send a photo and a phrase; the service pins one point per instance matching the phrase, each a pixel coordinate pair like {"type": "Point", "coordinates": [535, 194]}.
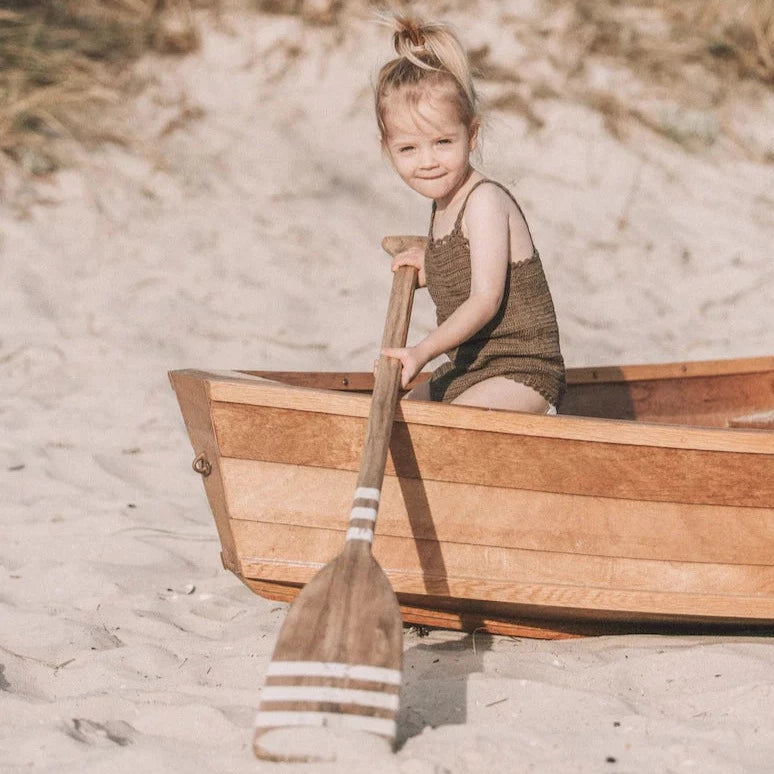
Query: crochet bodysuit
{"type": "Point", "coordinates": [521, 342]}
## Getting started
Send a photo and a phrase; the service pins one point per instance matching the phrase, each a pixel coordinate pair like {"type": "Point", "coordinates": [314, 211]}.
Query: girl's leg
{"type": "Point", "coordinates": [499, 392]}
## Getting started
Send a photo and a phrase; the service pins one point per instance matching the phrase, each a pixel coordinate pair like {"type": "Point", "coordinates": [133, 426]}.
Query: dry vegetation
{"type": "Point", "coordinates": [674, 66]}
{"type": "Point", "coordinates": [696, 53]}
{"type": "Point", "coordinates": [733, 38]}
{"type": "Point", "coordinates": [63, 61]}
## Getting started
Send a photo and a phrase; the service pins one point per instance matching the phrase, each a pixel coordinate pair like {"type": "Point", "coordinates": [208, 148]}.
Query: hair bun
{"type": "Point", "coordinates": [426, 50]}
{"type": "Point", "coordinates": [409, 35]}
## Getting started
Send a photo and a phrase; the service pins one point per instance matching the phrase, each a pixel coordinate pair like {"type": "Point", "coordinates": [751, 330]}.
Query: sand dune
{"type": "Point", "coordinates": [243, 230]}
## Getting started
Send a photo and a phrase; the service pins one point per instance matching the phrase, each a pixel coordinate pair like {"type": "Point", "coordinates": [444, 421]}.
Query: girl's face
{"type": "Point", "coordinates": [429, 145]}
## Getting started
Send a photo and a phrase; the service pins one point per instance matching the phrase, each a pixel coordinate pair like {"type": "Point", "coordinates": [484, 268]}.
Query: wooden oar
{"type": "Point", "coordinates": [337, 661]}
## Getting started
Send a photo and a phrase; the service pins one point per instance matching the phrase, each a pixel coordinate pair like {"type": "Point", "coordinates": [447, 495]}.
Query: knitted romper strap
{"type": "Point", "coordinates": [458, 222]}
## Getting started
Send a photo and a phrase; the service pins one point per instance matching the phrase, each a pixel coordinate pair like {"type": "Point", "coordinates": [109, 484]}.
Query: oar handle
{"type": "Point", "coordinates": [383, 403]}
{"type": "Point", "coordinates": [397, 244]}
{"type": "Point", "coordinates": [396, 326]}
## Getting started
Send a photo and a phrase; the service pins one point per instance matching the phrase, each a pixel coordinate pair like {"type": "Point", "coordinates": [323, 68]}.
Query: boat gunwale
{"type": "Point", "coordinates": [238, 387]}
{"type": "Point", "coordinates": [677, 370]}
{"type": "Point", "coordinates": [609, 374]}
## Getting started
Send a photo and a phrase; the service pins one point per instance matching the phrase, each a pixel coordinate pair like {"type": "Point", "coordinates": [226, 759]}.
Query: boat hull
{"type": "Point", "coordinates": [512, 523]}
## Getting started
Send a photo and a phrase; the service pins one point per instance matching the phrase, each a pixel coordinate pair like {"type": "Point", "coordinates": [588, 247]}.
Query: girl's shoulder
{"type": "Point", "coordinates": [491, 188]}
{"type": "Point", "coordinates": [488, 198]}
{"type": "Point", "coordinates": [493, 212]}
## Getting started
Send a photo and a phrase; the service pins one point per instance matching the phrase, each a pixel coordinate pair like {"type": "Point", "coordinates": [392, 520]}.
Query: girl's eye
{"type": "Point", "coordinates": [405, 148]}
{"type": "Point", "coordinates": [445, 141]}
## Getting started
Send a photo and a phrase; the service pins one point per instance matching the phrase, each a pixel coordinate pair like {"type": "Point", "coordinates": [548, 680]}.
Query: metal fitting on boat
{"type": "Point", "coordinates": [202, 465]}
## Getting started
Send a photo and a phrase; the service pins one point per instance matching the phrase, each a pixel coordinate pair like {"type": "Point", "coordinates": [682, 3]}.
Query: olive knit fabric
{"type": "Point", "coordinates": [521, 342]}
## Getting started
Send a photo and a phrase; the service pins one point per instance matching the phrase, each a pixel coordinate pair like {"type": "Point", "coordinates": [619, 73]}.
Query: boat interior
{"type": "Point", "coordinates": [723, 393]}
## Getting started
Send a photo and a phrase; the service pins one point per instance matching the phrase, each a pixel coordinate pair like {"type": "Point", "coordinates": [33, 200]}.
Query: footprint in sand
{"type": "Point", "coordinates": [100, 734]}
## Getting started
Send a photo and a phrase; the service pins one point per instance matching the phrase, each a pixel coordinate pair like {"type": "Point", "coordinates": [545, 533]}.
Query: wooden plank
{"type": "Point", "coordinates": [700, 394]}
{"type": "Point", "coordinates": [466, 618]}
{"type": "Point", "coordinates": [344, 381]}
{"type": "Point", "coordinates": [362, 380]}
{"type": "Point", "coordinates": [703, 401]}
{"type": "Point", "coordinates": [258, 392]}
{"type": "Point", "coordinates": [348, 381]}
{"type": "Point", "coordinates": [194, 404]}
{"type": "Point", "coordinates": [488, 458]}
{"type": "Point", "coordinates": [677, 370]}
{"type": "Point", "coordinates": [539, 622]}
{"type": "Point", "coordinates": [763, 420]}
{"type": "Point", "coordinates": [293, 555]}
{"type": "Point", "coordinates": [278, 493]}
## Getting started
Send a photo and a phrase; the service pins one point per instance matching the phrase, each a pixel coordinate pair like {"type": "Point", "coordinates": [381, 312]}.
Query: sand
{"type": "Point", "coordinates": [242, 230]}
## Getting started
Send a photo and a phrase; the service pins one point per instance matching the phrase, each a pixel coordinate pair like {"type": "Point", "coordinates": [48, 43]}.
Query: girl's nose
{"type": "Point", "coordinates": [427, 158]}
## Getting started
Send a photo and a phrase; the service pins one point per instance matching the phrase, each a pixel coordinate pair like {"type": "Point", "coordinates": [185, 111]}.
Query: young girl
{"type": "Point", "coordinates": [496, 319]}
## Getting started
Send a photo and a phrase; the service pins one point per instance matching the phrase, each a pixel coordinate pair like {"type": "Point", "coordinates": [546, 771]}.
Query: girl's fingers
{"type": "Point", "coordinates": [405, 370]}
{"type": "Point", "coordinates": [413, 257]}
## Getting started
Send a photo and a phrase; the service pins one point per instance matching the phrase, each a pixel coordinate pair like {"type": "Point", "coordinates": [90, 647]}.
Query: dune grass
{"type": "Point", "coordinates": [687, 59]}
{"type": "Point", "coordinates": [659, 37]}
{"type": "Point", "coordinates": [63, 62]}
{"type": "Point", "coordinates": [696, 52]}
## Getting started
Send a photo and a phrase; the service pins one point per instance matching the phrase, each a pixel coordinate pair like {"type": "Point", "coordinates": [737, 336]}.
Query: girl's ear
{"type": "Point", "coordinates": [386, 152]}
{"type": "Point", "coordinates": [475, 125]}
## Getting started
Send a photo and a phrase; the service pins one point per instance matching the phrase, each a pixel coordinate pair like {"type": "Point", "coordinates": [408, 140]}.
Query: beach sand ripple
{"type": "Point", "coordinates": [247, 236]}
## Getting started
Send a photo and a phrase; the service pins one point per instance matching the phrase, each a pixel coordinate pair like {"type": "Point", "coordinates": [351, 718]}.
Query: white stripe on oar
{"type": "Point", "coordinates": [381, 726]}
{"type": "Point", "coordinates": [361, 512]}
{"type": "Point", "coordinates": [359, 533]}
{"type": "Point", "coordinates": [334, 669]}
{"type": "Point", "coordinates": [367, 493]}
{"type": "Point", "coordinates": [327, 693]}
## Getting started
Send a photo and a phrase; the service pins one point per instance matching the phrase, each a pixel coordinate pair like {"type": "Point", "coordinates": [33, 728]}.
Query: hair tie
{"type": "Point", "coordinates": [408, 31]}
{"type": "Point", "coordinates": [415, 36]}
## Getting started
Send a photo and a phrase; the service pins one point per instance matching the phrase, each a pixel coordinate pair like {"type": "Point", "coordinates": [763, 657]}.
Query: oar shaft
{"type": "Point", "coordinates": [383, 403]}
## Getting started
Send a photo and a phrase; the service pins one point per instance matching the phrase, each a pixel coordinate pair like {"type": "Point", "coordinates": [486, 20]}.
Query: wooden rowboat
{"type": "Point", "coordinates": [646, 505]}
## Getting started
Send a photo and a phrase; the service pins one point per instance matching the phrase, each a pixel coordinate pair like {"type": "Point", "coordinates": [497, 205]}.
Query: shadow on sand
{"type": "Point", "coordinates": [444, 660]}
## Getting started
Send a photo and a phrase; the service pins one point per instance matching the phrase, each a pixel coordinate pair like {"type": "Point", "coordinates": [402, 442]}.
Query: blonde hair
{"type": "Point", "coordinates": [429, 54]}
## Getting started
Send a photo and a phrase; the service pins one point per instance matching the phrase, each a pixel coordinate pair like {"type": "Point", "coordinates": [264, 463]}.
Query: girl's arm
{"type": "Point", "coordinates": [487, 222]}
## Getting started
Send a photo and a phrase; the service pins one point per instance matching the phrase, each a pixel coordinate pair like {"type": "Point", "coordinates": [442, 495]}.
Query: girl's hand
{"type": "Point", "coordinates": [413, 256]}
{"type": "Point", "coordinates": [410, 358]}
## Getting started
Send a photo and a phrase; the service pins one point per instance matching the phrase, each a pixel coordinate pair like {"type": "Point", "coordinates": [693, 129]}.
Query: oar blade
{"type": "Point", "coordinates": [336, 665]}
